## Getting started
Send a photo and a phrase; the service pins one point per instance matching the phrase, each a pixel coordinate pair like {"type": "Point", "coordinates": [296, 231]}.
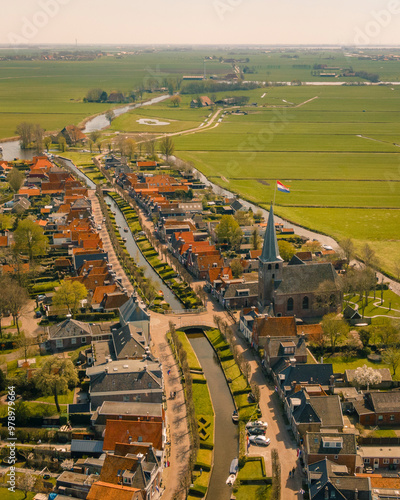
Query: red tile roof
{"type": "Point", "coordinates": [100, 291]}
{"type": "Point", "coordinates": [284, 326]}
{"type": "Point", "coordinates": [107, 491]}
{"type": "Point", "coordinates": [119, 431]}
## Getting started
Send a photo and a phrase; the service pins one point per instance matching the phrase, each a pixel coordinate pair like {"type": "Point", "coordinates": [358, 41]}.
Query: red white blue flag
{"type": "Point", "coordinates": [281, 187]}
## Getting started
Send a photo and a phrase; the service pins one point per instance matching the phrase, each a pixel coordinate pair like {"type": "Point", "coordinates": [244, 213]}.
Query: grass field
{"type": "Point", "coordinates": [337, 152]}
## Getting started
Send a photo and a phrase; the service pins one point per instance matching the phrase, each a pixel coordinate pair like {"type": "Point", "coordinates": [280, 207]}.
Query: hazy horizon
{"type": "Point", "coordinates": [366, 23]}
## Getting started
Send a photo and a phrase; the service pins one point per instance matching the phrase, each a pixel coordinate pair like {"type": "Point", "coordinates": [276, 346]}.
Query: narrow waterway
{"type": "Point", "coordinates": [130, 244]}
{"type": "Point", "coordinates": [136, 254]}
{"type": "Point", "coordinates": [226, 445]}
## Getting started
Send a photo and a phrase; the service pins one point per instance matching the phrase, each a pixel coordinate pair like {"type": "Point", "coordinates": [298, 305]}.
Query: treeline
{"type": "Point", "coordinates": [212, 86]}
{"type": "Point", "coordinates": [372, 77]}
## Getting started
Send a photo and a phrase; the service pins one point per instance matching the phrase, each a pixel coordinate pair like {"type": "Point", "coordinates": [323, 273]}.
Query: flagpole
{"type": "Point", "coordinates": [273, 204]}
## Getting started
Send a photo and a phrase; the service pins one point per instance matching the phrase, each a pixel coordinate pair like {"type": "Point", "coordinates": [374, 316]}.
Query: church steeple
{"type": "Point", "coordinates": [270, 251]}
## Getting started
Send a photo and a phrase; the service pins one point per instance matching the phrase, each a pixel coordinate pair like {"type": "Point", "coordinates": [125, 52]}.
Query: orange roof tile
{"type": "Point", "coordinates": [284, 326]}
{"type": "Point", "coordinates": [30, 191]}
{"type": "Point", "coordinates": [119, 431]}
{"type": "Point", "coordinates": [100, 291]}
{"type": "Point", "coordinates": [107, 491]}
{"type": "Point", "coordinates": [3, 241]}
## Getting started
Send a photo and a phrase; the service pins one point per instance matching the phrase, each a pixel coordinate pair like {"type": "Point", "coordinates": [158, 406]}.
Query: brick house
{"type": "Point", "coordinates": [379, 408]}
{"type": "Point", "coordinates": [338, 447]}
{"type": "Point", "coordinates": [278, 349]}
{"type": "Point", "coordinates": [71, 334]}
{"type": "Point", "coordinates": [127, 380]}
{"type": "Point", "coordinates": [380, 457]}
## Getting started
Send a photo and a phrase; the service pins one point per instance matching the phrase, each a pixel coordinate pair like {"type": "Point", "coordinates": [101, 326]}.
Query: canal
{"type": "Point", "coordinates": [226, 445]}
{"type": "Point", "coordinates": [131, 244]}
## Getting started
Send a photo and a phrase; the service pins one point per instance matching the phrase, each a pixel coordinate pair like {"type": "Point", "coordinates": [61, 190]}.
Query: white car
{"type": "Point", "coordinates": [259, 440]}
{"type": "Point", "coordinates": [327, 247]}
{"type": "Point", "coordinates": [257, 423]}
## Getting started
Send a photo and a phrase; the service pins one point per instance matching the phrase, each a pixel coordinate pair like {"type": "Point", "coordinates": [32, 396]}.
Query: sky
{"type": "Point", "coordinates": [255, 22]}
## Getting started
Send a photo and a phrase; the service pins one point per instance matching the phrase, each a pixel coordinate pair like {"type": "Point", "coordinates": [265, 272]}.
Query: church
{"type": "Point", "coordinates": [295, 288]}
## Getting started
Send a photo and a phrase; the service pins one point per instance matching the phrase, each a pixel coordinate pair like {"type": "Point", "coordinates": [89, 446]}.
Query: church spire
{"type": "Point", "coordinates": [270, 251]}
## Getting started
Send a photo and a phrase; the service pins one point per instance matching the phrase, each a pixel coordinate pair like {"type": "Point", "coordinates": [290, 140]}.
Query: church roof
{"type": "Point", "coordinates": [306, 279]}
{"type": "Point", "coordinates": [270, 250]}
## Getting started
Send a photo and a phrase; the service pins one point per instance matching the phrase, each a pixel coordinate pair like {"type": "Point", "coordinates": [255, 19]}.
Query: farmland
{"type": "Point", "coordinates": [337, 151]}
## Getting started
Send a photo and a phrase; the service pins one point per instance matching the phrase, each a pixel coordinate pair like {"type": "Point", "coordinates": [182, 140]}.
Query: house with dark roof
{"type": "Point", "coordinates": [338, 447]}
{"type": "Point", "coordinates": [127, 380]}
{"type": "Point", "coordinates": [294, 290]}
{"type": "Point", "coordinates": [71, 334]}
{"type": "Point", "coordinates": [135, 312]}
{"type": "Point", "coordinates": [327, 480]}
{"type": "Point", "coordinates": [379, 408]}
{"type": "Point", "coordinates": [308, 413]}
{"type": "Point", "coordinates": [288, 377]}
{"type": "Point", "coordinates": [130, 343]}
{"type": "Point", "coordinates": [278, 349]}
{"type": "Point", "coordinates": [240, 295]}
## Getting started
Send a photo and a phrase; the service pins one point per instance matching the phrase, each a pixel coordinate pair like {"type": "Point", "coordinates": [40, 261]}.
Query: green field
{"type": "Point", "coordinates": [336, 152]}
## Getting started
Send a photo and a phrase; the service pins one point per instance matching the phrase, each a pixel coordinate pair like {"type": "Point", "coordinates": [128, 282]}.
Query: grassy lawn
{"type": "Point", "coordinates": [383, 433]}
{"type": "Point", "coordinates": [15, 495]}
{"type": "Point", "coordinates": [341, 363]}
{"type": "Point", "coordinates": [254, 492]}
{"type": "Point", "coordinates": [375, 308]}
{"type": "Point", "coordinates": [63, 399]}
{"type": "Point", "coordinates": [252, 470]}
{"type": "Point", "coordinates": [191, 355]}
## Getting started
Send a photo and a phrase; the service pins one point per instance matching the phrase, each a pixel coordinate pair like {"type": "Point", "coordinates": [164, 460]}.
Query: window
{"type": "Point", "coordinates": [366, 460]}
{"type": "Point", "coordinates": [83, 340]}
{"type": "Point", "coordinates": [149, 384]}
{"type": "Point", "coordinates": [269, 267]}
{"type": "Point", "coordinates": [290, 304]}
{"type": "Point", "coordinates": [380, 417]}
{"type": "Point", "coordinates": [126, 399]}
{"type": "Point", "coordinates": [276, 266]}
{"type": "Point", "coordinates": [386, 461]}
{"type": "Point", "coordinates": [59, 343]}
{"type": "Point", "coordinates": [305, 303]}
{"type": "Point", "coordinates": [391, 417]}
{"type": "Point", "coordinates": [395, 460]}
{"type": "Point", "coordinates": [73, 341]}
{"type": "Point", "coordinates": [336, 457]}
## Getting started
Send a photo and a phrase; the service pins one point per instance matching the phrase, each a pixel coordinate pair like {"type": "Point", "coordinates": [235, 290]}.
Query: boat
{"type": "Point", "coordinates": [234, 467]}
{"type": "Point", "coordinates": [235, 417]}
{"type": "Point", "coordinates": [125, 229]}
{"type": "Point", "coordinates": [231, 479]}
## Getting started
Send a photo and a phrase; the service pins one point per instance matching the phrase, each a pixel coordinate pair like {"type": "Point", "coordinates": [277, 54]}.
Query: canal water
{"type": "Point", "coordinates": [131, 244]}
{"type": "Point", "coordinates": [226, 445]}
{"type": "Point", "coordinates": [136, 254]}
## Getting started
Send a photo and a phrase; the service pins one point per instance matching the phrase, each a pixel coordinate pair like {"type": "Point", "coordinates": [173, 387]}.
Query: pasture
{"type": "Point", "coordinates": [337, 152]}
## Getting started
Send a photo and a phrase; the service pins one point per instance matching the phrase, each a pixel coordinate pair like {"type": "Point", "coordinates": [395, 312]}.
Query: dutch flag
{"type": "Point", "coordinates": [281, 187]}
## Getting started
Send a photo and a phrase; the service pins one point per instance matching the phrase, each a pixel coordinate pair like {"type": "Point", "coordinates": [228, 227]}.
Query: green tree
{"type": "Point", "coordinates": [3, 381]}
{"type": "Point", "coordinates": [391, 357]}
{"type": "Point", "coordinates": [286, 250]}
{"type": "Point", "coordinates": [69, 295]}
{"type": "Point", "coordinates": [255, 240]}
{"type": "Point", "coordinates": [15, 179]}
{"type": "Point", "coordinates": [176, 100]}
{"type": "Point", "coordinates": [347, 247]}
{"type": "Point", "coordinates": [6, 222]}
{"type": "Point", "coordinates": [95, 135]}
{"type": "Point", "coordinates": [62, 144]}
{"type": "Point", "coordinates": [29, 239]}
{"type": "Point", "coordinates": [47, 142]}
{"type": "Point", "coordinates": [110, 115]}
{"type": "Point", "coordinates": [237, 268]}
{"type": "Point", "coordinates": [17, 298]}
{"type": "Point", "coordinates": [55, 377]}
{"type": "Point", "coordinates": [365, 336]}
{"type": "Point", "coordinates": [335, 329]}
{"type": "Point", "coordinates": [167, 147]}
{"type": "Point", "coordinates": [228, 230]}
{"type": "Point", "coordinates": [25, 131]}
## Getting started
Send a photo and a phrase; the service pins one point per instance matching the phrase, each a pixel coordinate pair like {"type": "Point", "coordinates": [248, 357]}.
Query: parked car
{"type": "Point", "coordinates": [38, 314]}
{"type": "Point", "coordinates": [40, 297]}
{"type": "Point", "coordinates": [257, 423]}
{"type": "Point", "coordinates": [256, 431]}
{"type": "Point", "coordinates": [259, 440]}
{"type": "Point", "coordinates": [327, 247]}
